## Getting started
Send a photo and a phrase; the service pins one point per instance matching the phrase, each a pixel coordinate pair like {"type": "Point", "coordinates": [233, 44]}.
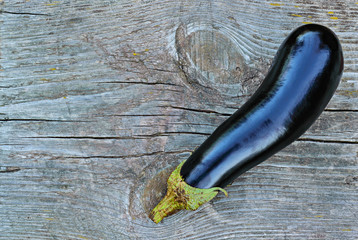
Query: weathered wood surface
{"type": "Point", "coordinates": [99, 100]}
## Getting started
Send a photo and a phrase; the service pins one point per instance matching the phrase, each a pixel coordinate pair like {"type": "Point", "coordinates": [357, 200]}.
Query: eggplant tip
{"type": "Point", "coordinates": [180, 196]}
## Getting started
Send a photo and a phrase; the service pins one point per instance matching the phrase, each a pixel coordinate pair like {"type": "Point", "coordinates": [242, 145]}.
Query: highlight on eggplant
{"type": "Point", "coordinates": [302, 79]}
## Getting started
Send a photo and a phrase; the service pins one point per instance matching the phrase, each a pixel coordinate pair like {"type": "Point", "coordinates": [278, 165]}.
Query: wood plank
{"type": "Point", "coordinates": [100, 100]}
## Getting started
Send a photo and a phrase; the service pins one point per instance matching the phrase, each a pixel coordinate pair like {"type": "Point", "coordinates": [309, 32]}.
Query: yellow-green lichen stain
{"type": "Point", "coordinates": [180, 195]}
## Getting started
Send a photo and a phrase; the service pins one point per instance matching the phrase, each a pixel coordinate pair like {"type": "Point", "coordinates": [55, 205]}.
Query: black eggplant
{"type": "Point", "coordinates": [302, 79]}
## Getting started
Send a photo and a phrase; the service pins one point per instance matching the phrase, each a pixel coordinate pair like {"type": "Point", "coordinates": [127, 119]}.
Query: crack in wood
{"type": "Point", "coordinates": [175, 133]}
{"type": "Point", "coordinates": [9, 169]}
{"type": "Point", "coordinates": [24, 13]}
{"type": "Point", "coordinates": [199, 110]}
{"type": "Point", "coordinates": [341, 110]}
{"type": "Point", "coordinates": [162, 134]}
{"type": "Point", "coordinates": [144, 83]}
{"type": "Point", "coordinates": [133, 155]}
{"type": "Point", "coordinates": [84, 137]}
{"type": "Point", "coordinates": [37, 120]}
{"type": "Point", "coordinates": [142, 115]}
{"type": "Point", "coordinates": [162, 70]}
{"type": "Point", "coordinates": [326, 141]}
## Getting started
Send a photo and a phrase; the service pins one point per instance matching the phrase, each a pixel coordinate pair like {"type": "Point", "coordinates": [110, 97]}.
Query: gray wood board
{"type": "Point", "coordinates": [100, 100]}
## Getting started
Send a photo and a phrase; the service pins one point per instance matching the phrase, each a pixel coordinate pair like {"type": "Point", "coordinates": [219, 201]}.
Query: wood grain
{"type": "Point", "coordinates": [99, 100]}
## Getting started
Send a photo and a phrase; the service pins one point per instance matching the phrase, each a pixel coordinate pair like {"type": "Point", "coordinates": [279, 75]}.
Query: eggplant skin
{"type": "Point", "coordinates": [302, 79]}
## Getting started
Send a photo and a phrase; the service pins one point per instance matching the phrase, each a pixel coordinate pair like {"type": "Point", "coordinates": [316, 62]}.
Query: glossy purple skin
{"type": "Point", "coordinates": [302, 79]}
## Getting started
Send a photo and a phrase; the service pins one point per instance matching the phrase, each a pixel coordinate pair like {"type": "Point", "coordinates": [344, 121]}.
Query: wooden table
{"type": "Point", "coordinates": [101, 99]}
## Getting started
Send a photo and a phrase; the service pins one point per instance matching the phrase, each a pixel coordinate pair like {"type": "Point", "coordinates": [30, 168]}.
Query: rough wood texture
{"type": "Point", "coordinates": [99, 100]}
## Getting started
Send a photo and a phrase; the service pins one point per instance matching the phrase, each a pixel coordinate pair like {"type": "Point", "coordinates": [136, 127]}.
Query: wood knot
{"type": "Point", "coordinates": [211, 59]}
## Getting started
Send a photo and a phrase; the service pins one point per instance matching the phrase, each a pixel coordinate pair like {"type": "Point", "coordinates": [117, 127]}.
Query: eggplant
{"type": "Point", "coordinates": [302, 79]}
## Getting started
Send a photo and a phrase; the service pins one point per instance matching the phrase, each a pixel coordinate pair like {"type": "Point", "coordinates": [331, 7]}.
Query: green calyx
{"type": "Point", "coordinates": [180, 195]}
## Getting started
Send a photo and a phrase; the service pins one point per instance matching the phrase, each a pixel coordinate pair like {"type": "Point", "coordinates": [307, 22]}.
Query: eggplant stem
{"type": "Point", "coordinates": [180, 196]}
